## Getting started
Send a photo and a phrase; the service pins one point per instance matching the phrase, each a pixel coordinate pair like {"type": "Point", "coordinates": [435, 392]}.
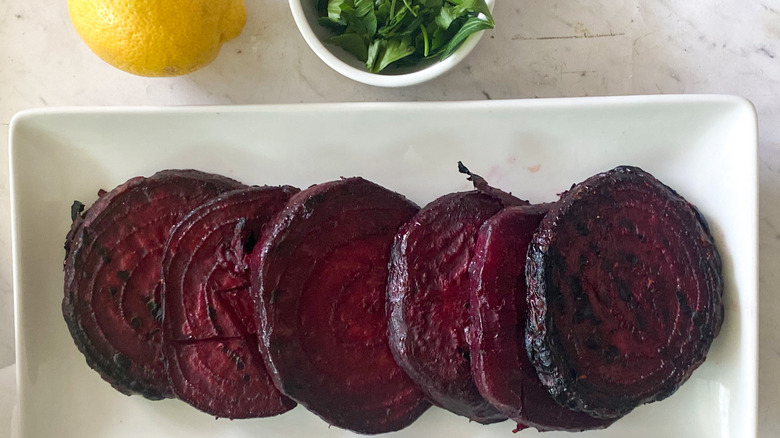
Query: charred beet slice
{"type": "Point", "coordinates": [319, 275]}
{"type": "Point", "coordinates": [209, 329]}
{"type": "Point", "coordinates": [625, 293]}
{"type": "Point", "coordinates": [428, 300]}
{"type": "Point", "coordinates": [499, 363]}
{"type": "Point", "coordinates": [112, 274]}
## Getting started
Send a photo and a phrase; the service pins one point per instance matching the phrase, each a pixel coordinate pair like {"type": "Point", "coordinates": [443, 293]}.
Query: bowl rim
{"type": "Point", "coordinates": [401, 80]}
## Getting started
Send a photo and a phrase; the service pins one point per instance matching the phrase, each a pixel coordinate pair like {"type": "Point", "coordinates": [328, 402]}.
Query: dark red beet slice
{"type": "Point", "coordinates": [112, 274]}
{"type": "Point", "coordinates": [209, 330]}
{"type": "Point", "coordinates": [319, 279]}
{"type": "Point", "coordinates": [428, 298]}
{"type": "Point", "coordinates": [625, 293]}
{"type": "Point", "coordinates": [499, 363]}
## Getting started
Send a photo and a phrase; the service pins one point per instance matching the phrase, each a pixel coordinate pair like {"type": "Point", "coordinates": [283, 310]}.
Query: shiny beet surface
{"type": "Point", "coordinates": [499, 362]}
{"type": "Point", "coordinates": [625, 293]}
{"type": "Point", "coordinates": [428, 300]}
{"type": "Point", "coordinates": [209, 330]}
{"type": "Point", "coordinates": [112, 287]}
{"type": "Point", "coordinates": [319, 281]}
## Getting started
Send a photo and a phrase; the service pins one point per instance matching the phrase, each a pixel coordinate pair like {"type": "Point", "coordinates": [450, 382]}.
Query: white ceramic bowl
{"type": "Point", "coordinates": [305, 15]}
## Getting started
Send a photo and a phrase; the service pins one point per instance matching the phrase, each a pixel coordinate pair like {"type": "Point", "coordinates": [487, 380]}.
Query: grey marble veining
{"type": "Point", "coordinates": [553, 48]}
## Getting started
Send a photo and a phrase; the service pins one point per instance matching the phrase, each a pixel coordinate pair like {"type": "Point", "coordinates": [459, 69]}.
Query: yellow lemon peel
{"type": "Point", "coordinates": [157, 37]}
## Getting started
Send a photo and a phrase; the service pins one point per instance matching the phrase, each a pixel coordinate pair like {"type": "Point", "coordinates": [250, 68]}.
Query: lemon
{"type": "Point", "coordinates": [157, 37]}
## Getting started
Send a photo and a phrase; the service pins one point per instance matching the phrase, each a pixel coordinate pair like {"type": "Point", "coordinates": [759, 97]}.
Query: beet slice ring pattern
{"type": "Point", "coordinates": [428, 298]}
{"type": "Point", "coordinates": [502, 371]}
{"type": "Point", "coordinates": [319, 279]}
{"type": "Point", "coordinates": [112, 274]}
{"type": "Point", "coordinates": [209, 330]}
{"type": "Point", "coordinates": [625, 293]}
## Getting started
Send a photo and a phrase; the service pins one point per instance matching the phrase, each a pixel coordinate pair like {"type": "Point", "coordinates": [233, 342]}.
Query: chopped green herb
{"type": "Point", "coordinates": [352, 43]}
{"type": "Point", "coordinates": [383, 32]}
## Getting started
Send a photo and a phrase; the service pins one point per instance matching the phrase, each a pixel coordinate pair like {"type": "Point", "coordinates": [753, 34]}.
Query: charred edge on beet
{"type": "Point", "coordinates": [500, 366]}
{"type": "Point", "coordinates": [551, 283]}
{"type": "Point", "coordinates": [85, 252]}
{"type": "Point", "coordinates": [75, 210]}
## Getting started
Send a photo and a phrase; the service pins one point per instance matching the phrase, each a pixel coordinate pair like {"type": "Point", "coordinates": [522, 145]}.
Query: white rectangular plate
{"type": "Point", "coordinates": [703, 146]}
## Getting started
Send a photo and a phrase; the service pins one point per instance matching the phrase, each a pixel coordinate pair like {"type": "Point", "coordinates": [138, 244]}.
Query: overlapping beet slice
{"type": "Point", "coordinates": [319, 279]}
{"type": "Point", "coordinates": [428, 297]}
{"type": "Point", "coordinates": [209, 330]}
{"type": "Point", "coordinates": [625, 293]}
{"type": "Point", "coordinates": [500, 366]}
{"type": "Point", "coordinates": [112, 274]}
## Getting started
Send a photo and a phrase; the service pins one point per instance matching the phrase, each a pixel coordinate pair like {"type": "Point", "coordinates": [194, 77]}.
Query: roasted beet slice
{"type": "Point", "coordinates": [625, 293]}
{"type": "Point", "coordinates": [319, 277]}
{"type": "Point", "coordinates": [209, 330]}
{"type": "Point", "coordinates": [112, 274]}
{"type": "Point", "coordinates": [499, 363]}
{"type": "Point", "coordinates": [428, 297]}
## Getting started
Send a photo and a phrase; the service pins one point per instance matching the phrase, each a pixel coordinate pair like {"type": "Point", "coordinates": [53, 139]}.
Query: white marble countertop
{"type": "Point", "coordinates": [554, 48]}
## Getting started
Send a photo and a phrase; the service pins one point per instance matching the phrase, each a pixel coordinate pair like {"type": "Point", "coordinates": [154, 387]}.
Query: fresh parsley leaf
{"type": "Point", "coordinates": [352, 43]}
{"type": "Point", "coordinates": [384, 52]}
{"type": "Point", "coordinates": [472, 25]}
{"type": "Point", "coordinates": [459, 7]}
{"type": "Point", "coordinates": [335, 10]}
{"type": "Point", "coordinates": [364, 7]}
{"type": "Point", "coordinates": [446, 16]}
